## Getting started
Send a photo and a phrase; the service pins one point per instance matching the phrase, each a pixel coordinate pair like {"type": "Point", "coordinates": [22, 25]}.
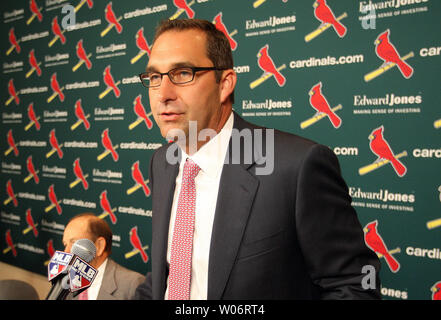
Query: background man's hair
{"type": "Point", "coordinates": [218, 46]}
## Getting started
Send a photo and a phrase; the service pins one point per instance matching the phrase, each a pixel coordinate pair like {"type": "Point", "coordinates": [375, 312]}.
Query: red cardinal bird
{"type": "Point", "coordinates": [267, 65]}
{"type": "Point", "coordinates": [54, 143]}
{"type": "Point", "coordinates": [53, 199]}
{"type": "Point", "coordinates": [90, 3]}
{"type": "Point", "coordinates": [79, 112]}
{"type": "Point", "coordinates": [57, 30]}
{"type": "Point", "coordinates": [325, 15]}
{"type": "Point", "coordinates": [105, 205]}
{"type": "Point", "coordinates": [31, 169]}
{"type": "Point", "coordinates": [436, 289]}
{"type": "Point", "coordinates": [107, 143]}
{"type": "Point", "coordinates": [31, 223]}
{"type": "Point", "coordinates": [79, 173]}
{"type": "Point", "coordinates": [34, 8]}
{"type": "Point", "coordinates": [386, 51]}
{"type": "Point", "coordinates": [319, 103]}
{"type": "Point", "coordinates": [136, 243]}
{"type": "Point", "coordinates": [81, 54]}
{"type": "Point", "coordinates": [56, 86]}
{"type": "Point", "coordinates": [139, 179]}
{"type": "Point", "coordinates": [12, 91]}
{"type": "Point", "coordinates": [375, 243]}
{"type": "Point", "coordinates": [50, 248]}
{"type": "Point", "coordinates": [13, 40]}
{"type": "Point", "coordinates": [381, 148]}
{"type": "Point", "coordinates": [111, 18]}
{"type": "Point", "coordinates": [141, 41]}
{"type": "Point", "coordinates": [140, 112]}
{"type": "Point", "coordinates": [221, 27]}
{"type": "Point", "coordinates": [108, 79]}
{"type": "Point", "coordinates": [33, 117]}
{"type": "Point", "coordinates": [33, 62]}
{"type": "Point", "coordinates": [11, 142]}
{"type": "Point", "coordinates": [182, 4]}
{"type": "Point", "coordinates": [10, 243]}
{"type": "Point", "coordinates": [11, 194]}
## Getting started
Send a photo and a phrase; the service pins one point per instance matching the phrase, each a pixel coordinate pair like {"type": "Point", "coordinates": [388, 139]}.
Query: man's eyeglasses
{"type": "Point", "coordinates": [177, 76]}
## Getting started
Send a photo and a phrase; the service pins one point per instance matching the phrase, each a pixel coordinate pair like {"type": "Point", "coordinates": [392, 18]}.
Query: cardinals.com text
{"type": "Point", "coordinates": [328, 61]}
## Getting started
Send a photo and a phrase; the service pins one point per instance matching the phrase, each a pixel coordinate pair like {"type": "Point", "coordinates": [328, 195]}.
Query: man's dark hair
{"type": "Point", "coordinates": [97, 227]}
{"type": "Point", "coordinates": [218, 46]}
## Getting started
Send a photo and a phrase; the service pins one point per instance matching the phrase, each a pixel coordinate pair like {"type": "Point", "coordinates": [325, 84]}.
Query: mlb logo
{"type": "Point", "coordinates": [58, 263]}
{"type": "Point", "coordinates": [81, 275]}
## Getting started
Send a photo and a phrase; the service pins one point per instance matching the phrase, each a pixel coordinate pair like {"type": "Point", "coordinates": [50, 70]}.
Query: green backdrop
{"type": "Point", "coordinates": [46, 131]}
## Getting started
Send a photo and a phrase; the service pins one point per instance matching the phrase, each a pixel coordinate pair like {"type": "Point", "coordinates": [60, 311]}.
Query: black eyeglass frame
{"type": "Point", "coordinates": [193, 69]}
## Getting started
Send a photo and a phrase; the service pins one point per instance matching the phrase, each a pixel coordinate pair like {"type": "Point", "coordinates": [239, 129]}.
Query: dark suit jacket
{"type": "Point", "coordinates": [292, 234]}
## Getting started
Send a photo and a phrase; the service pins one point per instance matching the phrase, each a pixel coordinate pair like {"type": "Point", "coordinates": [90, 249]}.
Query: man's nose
{"type": "Point", "coordinates": [167, 90]}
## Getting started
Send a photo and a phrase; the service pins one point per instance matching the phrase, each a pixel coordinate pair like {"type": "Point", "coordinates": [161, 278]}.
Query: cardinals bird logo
{"type": "Point", "coordinates": [14, 43]}
{"type": "Point", "coordinates": [11, 143]}
{"type": "Point", "coordinates": [137, 246]}
{"type": "Point", "coordinates": [54, 202]}
{"type": "Point", "coordinates": [32, 118]}
{"type": "Point", "coordinates": [269, 69]}
{"type": "Point", "coordinates": [107, 208]}
{"type": "Point", "coordinates": [324, 14]}
{"type": "Point", "coordinates": [81, 116]}
{"type": "Point", "coordinates": [111, 85]}
{"type": "Point", "coordinates": [139, 180]}
{"type": "Point", "coordinates": [380, 147]}
{"type": "Point", "coordinates": [321, 105]}
{"type": "Point", "coordinates": [32, 172]}
{"type": "Point", "coordinates": [82, 2]}
{"type": "Point", "coordinates": [80, 177]}
{"type": "Point", "coordinates": [57, 32]}
{"type": "Point", "coordinates": [83, 56]}
{"type": "Point", "coordinates": [36, 12]}
{"type": "Point", "coordinates": [31, 224]}
{"type": "Point", "coordinates": [387, 52]}
{"type": "Point", "coordinates": [107, 144]}
{"type": "Point", "coordinates": [11, 194]}
{"type": "Point", "coordinates": [375, 242]}
{"type": "Point", "coordinates": [221, 27]}
{"type": "Point", "coordinates": [182, 7]}
{"type": "Point", "coordinates": [13, 95]}
{"type": "Point", "coordinates": [112, 20]}
{"type": "Point", "coordinates": [35, 65]}
{"type": "Point", "coordinates": [436, 291]}
{"type": "Point", "coordinates": [50, 251]}
{"type": "Point", "coordinates": [11, 246]}
{"type": "Point", "coordinates": [56, 89]}
{"type": "Point", "coordinates": [139, 109]}
{"type": "Point", "coordinates": [56, 147]}
{"type": "Point", "coordinates": [143, 46]}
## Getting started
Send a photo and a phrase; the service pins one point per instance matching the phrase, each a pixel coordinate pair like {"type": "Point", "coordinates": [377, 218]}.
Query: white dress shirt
{"type": "Point", "coordinates": [92, 291]}
{"type": "Point", "coordinates": [210, 158]}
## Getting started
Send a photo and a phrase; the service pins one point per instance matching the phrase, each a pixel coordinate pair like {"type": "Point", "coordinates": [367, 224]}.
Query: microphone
{"type": "Point", "coordinates": [78, 274]}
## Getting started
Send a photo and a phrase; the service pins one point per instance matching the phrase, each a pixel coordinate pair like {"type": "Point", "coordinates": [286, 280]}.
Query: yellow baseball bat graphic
{"type": "Point", "coordinates": [134, 252]}
{"type": "Point", "coordinates": [78, 7]}
{"type": "Point", "coordinates": [381, 70]}
{"type": "Point", "coordinates": [318, 117]}
{"type": "Point", "coordinates": [6, 250]}
{"type": "Point", "coordinates": [50, 153]}
{"type": "Point", "coordinates": [135, 123]}
{"type": "Point", "coordinates": [433, 224]}
{"type": "Point", "coordinates": [29, 177]}
{"type": "Point", "coordinates": [109, 27]}
{"type": "Point", "coordinates": [7, 200]}
{"type": "Point", "coordinates": [437, 124]}
{"type": "Point", "coordinates": [376, 165]}
{"type": "Point", "coordinates": [53, 96]}
{"type": "Point", "coordinates": [77, 181]}
{"type": "Point", "coordinates": [105, 92]}
{"type": "Point", "coordinates": [105, 214]}
{"type": "Point", "coordinates": [136, 187]}
{"type": "Point", "coordinates": [50, 207]}
{"type": "Point", "coordinates": [138, 56]}
{"type": "Point", "coordinates": [323, 28]}
{"type": "Point", "coordinates": [396, 250]}
{"type": "Point", "coordinates": [76, 124]}
{"type": "Point", "coordinates": [265, 77]}
{"type": "Point", "coordinates": [10, 49]}
{"type": "Point", "coordinates": [105, 153]}
{"type": "Point", "coordinates": [51, 43]}
{"type": "Point", "coordinates": [30, 124]}
{"type": "Point", "coordinates": [180, 11]}
{"type": "Point", "coordinates": [80, 63]}
{"type": "Point", "coordinates": [258, 3]}
{"type": "Point", "coordinates": [29, 229]}
{"type": "Point", "coordinates": [30, 72]}
{"type": "Point", "coordinates": [33, 17]}
{"type": "Point", "coordinates": [9, 101]}
{"type": "Point", "coordinates": [8, 151]}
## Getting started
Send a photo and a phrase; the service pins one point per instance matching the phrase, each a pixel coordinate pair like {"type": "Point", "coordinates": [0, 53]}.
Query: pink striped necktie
{"type": "Point", "coordinates": [83, 295]}
{"type": "Point", "coordinates": [182, 242]}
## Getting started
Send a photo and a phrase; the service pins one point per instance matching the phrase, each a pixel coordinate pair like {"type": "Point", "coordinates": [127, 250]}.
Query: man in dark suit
{"type": "Point", "coordinates": [272, 214]}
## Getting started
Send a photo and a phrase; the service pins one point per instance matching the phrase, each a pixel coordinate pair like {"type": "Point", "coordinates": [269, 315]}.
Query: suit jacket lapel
{"type": "Point", "coordinates": [108, 285]}
{"type": "Point", "coordinates": [237, 190]}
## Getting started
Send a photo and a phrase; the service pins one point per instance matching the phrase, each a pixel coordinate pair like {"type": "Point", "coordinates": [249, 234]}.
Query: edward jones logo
{"type": "Point", "coordinates": [266, 63]}
{"type": "Point", "coordinates": [387, 52]}
{"type": "Point", "coordinates": [327, 19]}
{"type": "Point", "coordinates": [380, 147]}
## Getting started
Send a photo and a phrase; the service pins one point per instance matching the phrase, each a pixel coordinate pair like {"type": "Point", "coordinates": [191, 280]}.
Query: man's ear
{"type": "Point", "coordinates": [227, 84]}
{"type": "Point", "coordinates": [100, 244]}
